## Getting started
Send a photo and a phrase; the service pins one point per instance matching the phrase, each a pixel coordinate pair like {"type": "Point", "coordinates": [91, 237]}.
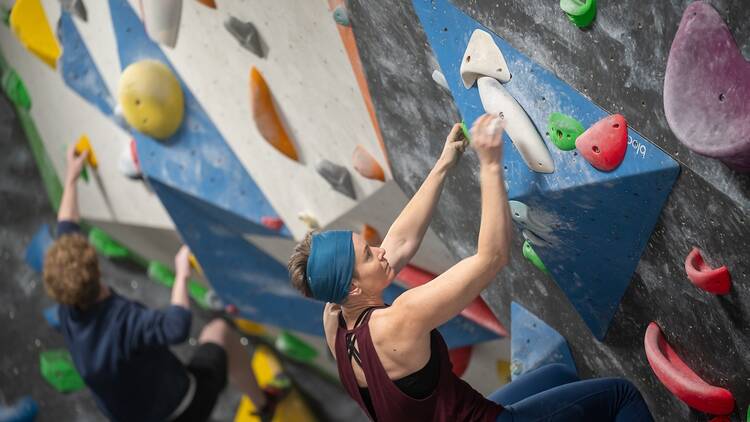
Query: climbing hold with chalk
{"type": "Point", "coordinates": [246, 34]}
{"type": "Point", "coordinates": [483, 58]}
{"type": "Point", "coordinates": [29, 23]}
{"type": "Point", "coordinates": [266, 117]}
{"type": "Point", "coordinates": [366, 165]}
{"type": "Point", "coordinates": [703, 276]}
{"type": "Point", "coordinates": [604, 144]}
{"type": "Point", "coordinates": [564, 130]}
{"type": "Point", "coordinates": [341, 15]}
{"type": "Point", "coordinates": [528, 253]}
{"type": "Point", "coordinates": [151, 99]}
{"type": "Point", "coordinates": [76, 8]}
{"type": "Point", "coordinates": [337, 176]}
{"type": "Point", "coordinates": [439, 79]}
{"type": "Point", "coordinates": [580, 12]}
{"type": "Point", "coordinates": [161, 18]}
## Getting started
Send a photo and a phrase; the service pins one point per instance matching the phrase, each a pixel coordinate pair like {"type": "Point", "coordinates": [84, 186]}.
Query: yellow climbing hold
{"type": "Point", "coordinates": [151, 98]}
{"type": "Point", "coordinates": [29, 22]}
{"type": "Point", "coordinates": [250, 328]}
{"type": "Point", "coordinates": [195, 264]}
{"type": "Point", "coordinates": [82, 145]}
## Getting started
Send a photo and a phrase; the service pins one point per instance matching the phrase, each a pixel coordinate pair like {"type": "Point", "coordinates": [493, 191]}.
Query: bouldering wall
{"type": "Point", "coordinates": [618, 66]}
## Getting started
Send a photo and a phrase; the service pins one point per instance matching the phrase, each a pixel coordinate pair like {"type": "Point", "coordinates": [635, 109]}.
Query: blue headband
{"type": "Point", "coordinates": [330, 265]}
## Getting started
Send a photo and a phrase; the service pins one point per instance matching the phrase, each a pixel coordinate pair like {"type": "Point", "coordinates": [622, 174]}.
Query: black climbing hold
{"type": "Point", "coordinates": [337, 176]}
{"type": "Point", "coordinates": [246, 34]}
{"type": "Point", "coordinates": [75, 7]}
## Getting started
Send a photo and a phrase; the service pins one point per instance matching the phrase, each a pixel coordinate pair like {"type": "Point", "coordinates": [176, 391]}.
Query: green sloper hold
{"type": "Point", "coordinates": [294, 347]}
{"type": "Point", "coordinates": [15, 89]}
{"type": "Point", "coordinates": [564, 130]}
{"type": "Point", "coordinates": [58, 369]}
{"type": "Point", "coordinates": [580, 12]}
{"type": "Point", "coordinates": [107, 246]}
{"type": "Point", "coordinates": [528, 253]}
{"type": "Point", "coordinates": [163, 275]}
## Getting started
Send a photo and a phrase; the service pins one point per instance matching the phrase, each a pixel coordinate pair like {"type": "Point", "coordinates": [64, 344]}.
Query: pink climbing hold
{"type": "Point", "coordinates": [273, 223]}
{"type": "Point", "coordinates": [703, 276]}
{"type": "Point", "coordinates": [134, 155]}
{"type": "Point", "coordinates": [682, 381]}
{"type": "Point", "coordinates": [706, 88]}
{"type": "Point", "coordinates": [604, 144]}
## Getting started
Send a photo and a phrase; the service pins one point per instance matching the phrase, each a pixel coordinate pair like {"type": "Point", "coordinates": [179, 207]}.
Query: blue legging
{"type": "Point", "coordinates": [554, 393]}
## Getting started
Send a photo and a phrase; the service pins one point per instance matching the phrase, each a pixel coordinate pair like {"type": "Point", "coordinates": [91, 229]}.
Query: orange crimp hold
{"type": "Point", "coordinates": [82, 145]}
{"type": "Point", "coordinates": [371, 235]}
{"type": "Point", "coordinates": [366, 165]}
{"type": "Point", "coordinates": [266, 118]}
{"type": "Point", "coordinates": [208, 3]}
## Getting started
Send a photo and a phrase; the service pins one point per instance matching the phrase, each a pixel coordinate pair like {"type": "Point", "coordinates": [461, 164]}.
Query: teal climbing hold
{"type": "Point", "coordinates": [564, 130]}
{"type": "Point", "coordinates": [58, 369]}
{"type": "Point", "coordinates": [341, 16]}
{"type": "Point", "coordinates": [580, 12]}
{"type": "Point", "coordinates": [295, 348]}
{"type": "Point", "coordinates": [528, 253]}
{"type": "Point", "coordinates": [15, 89]}
{"type": "Point", "coordinates": [107, 246]}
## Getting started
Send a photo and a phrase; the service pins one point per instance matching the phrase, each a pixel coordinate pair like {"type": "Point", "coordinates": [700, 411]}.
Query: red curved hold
{"type": "Point", "coordinates": [273, 223]}
{"type": "Point", "coordinates": [712, 280]}
{"type": "Point", "coordinates": [681, 380]}
{"type": "Point", "coordinates": [134, 155]}
{"type": "Point", "coordinates": [460, 358]}
{"type": "Point", "coordinates": [604, 144]}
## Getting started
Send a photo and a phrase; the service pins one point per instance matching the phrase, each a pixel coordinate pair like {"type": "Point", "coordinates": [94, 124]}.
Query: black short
{"type": "Point", "coordinates": [209, 367]}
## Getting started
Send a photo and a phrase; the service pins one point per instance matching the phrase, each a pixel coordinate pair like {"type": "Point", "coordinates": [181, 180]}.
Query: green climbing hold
{"type": "Point", "coordinates": [160, 273]}
{"type": "Point", "coordinates": [564, 130]}
{"type": "Point", "coordinates": [164, 275]}
{"type": "Point", "coordinates": [58, 369]}
{"type": "Point", "coordinates": [295, 348]}
{"type": "Point", "coordinates": [5, 15]}
{"type": "Point", "coordinates": [748, 414]}
{"type": "Point", "coordinates": [580, 12]}
{"type": "Point", "coordinates": [341, 16]}
{"type": "Point", "coordinates": [107, 246]}
{"type": "Point", "coordinates": [465, 130]}
{"type": "Point", "coordinates": [528, 253]}
{"type": "Point", "coordinates": [15, 89]}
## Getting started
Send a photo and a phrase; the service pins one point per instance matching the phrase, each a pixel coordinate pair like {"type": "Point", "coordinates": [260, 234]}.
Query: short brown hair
{"type": "Point", "coordinates": [71, 271]}
{"type": "Point", "coordinates": [297, 265]}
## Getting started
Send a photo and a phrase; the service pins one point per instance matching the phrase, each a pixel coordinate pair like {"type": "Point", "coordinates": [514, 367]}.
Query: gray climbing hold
{"type": "Point", "coordinates": [533, 238]}
{"type": "Point", "coordinates": [246, 34]}
{"type": "Point", "coordinates": [521, 214]}
{"type": "Point", "coordinates": [75, 7]}
{"type": "Point", "coordinates": [341, 16]}
{"type": "Point", "coordinates": [439, 79]}
{"type": "Point", "coordinates": [337, 176]}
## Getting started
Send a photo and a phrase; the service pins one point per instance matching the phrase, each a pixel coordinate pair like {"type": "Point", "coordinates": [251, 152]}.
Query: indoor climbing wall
{"type": "Point", "coordinates": [610, 242]}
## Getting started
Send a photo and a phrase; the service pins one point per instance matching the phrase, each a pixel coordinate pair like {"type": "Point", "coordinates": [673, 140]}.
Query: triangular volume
{"type": "Point", "coordinates": [29, 22]}
{"type": "Point", "coordinates": [592, 211]}
{"type": "Point", "coordinates": [483, 58]}
{"type": "Point", "coordinates": [225, 183]}
{"type": "Point", "coordinates": [162, 20]}
{"type": "Point", "coordinates": [534, 344]}
{"type": "Point", "coordinates": [266, 118]}
{"type": "Point", "coordinates": [706, 88]}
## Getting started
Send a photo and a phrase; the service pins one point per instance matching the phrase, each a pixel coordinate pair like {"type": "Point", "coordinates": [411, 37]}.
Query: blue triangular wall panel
{"type": "Point", "coordinates": [533, 343]}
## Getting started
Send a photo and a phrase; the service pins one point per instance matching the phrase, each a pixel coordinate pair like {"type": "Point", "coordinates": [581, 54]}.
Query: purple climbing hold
{"type": "Point", "coordinates": [706, 88]}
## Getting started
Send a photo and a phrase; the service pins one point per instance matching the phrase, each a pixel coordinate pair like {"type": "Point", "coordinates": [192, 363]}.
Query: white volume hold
{"type": "Point", "coordinates": [498, 101]}
{"type": "Point", "coordinates": [483, 58]}
{"type": "Point", "coordinates": [162, 20]}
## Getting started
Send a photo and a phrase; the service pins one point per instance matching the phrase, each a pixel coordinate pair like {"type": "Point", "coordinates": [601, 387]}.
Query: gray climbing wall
{"type": "Point", "coordinates": [619, 64]}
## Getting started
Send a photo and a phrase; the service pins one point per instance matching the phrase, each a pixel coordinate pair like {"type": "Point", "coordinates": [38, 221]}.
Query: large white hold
{"type": "Point", "coordinates": [498, 101]}
{"type": "Point", "coordinates": [483, 58]}
{"type": "Point", "coordinates": [162, 20]}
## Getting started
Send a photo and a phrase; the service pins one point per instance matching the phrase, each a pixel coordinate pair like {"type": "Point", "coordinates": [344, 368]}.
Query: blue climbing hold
{"type": "Point", "coordinates": [38, 246]}
{"type": "Point", "coordinates": [52, 316]}
{"type": "Point", "coordinates": [24, 410]}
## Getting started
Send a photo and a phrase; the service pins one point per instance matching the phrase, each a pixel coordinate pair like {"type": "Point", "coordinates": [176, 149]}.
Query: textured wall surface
{"type": "Point", "coordinates": [619, 64]}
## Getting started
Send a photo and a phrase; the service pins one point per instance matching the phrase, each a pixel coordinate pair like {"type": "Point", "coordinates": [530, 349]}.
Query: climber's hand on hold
{"type": "Point", "coordinates": [182, 262]}
{"type": "Point", "coordinates": [75, 163]}
{"type": "Point", "coordinates": [455, 144]}
{"type": "Point", "coordinates": [487, 138]}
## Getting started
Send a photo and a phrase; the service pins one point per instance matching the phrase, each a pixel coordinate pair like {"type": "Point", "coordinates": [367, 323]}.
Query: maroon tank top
{"type": "Point", "coordinates": [453, 399]}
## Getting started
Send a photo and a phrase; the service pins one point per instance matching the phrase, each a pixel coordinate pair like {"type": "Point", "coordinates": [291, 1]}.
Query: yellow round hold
{"type": "Point", "coordinates": [151, 98]}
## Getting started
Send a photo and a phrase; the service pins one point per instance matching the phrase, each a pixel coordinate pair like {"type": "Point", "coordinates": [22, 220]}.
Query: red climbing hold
{"type": "Point", "coordinates": [231, 309]}
{"type": "Point", "coordinates": [273, 223]}
{"type": "Point", "coordinates": [477, 311]}
{"type": "Point", "coordinates": [460, 358]}
{"type": "Point", "coordinates": [720, 419]}
{"type": "Point", "coordinates": [371, 235]}
{"type": "Point", "coordinates": [134, 155]}
{"type": "Point", "coordinates": [680, 379]}
{"type": "Point", "coordinates": [366, 165]}
{"type": "Point", "coordinates": [604, 144]}
{"type": "Point", "coordinates": [712, 280]}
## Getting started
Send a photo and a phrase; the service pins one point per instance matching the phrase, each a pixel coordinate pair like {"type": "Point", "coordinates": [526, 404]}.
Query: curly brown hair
{"type": "Point", "coordinates": [297, 265]}
{"type": "Point", "coordinates": [71, 271]}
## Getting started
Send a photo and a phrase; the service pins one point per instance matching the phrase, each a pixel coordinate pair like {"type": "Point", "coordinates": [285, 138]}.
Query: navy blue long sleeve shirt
{"type": "Point", "coordinates": [121, 350]}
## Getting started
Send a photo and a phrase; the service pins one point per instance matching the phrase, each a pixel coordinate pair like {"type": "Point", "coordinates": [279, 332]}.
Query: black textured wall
{"type": "Point", "coordinates": [619, 63]}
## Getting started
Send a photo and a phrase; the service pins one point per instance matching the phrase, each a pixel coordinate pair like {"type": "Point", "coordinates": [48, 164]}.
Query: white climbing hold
{"type": "Point", "coordinates": [75, 7]}
{"type": "Point", "coordinates": [439, 79]}
{"type": "Point", "coordinates": [162, 20]}
{"type": "Point", "coordinates": [483, 58]}
{"type": "Point", "coordinates": [127, 166]}
{"type": "Point", "coordinates": [498, 101]}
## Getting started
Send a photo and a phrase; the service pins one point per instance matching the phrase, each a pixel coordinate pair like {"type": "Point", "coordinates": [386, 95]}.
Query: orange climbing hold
{"type": "Point", "coordinates": [366, 165]}
{"type": "Point", "coordinates": [371, 235]}
{"type": "Point", "coordinates": [273, 223]}
{"type": "Point", "coordinates": [82, 145]}
{"type": "Point", "coordinates": [712, 280]}
{"type": "Point", "coordinates": [266, 118]}
{"type": "Point", "coordinates": [208, 3]}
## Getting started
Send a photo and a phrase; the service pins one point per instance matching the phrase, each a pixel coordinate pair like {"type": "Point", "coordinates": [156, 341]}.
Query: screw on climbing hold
{"type": "Point", "coordinates": [106, 245]}
{"type": "Point", "coordinates": [195, 264]}
{"type": "Point", "coordinates": [366, 165]}
{"type": "Point", "coordinates": [564, 130]}
{"type": "Point", "coordinates": [439, 79]}
{"type": "Point", "coordinates": [246, 34]}
{"type": "Point", "coordinates": [309, 221]}
{"type": "Point", "coordinates": [516, 367]}
{"type": "Point", "coordinates": [161, 18]}
{"type": "Point", "coordinates": [29, 23]}
{"type": "Point", "coordinates": [523, 216]}
{"type": "Point", "coordinates": [58, 370]}
{"type": "Point", "coordinates": [580, 12]}
{"type": "Point", "coordinates": [465, 131]}
{"type": "Point", "coordinates": [295, 348]}
{"type": "Point", "coordinates": [528, 253]}
{"type": "Point", "coordinates": [76, 8]}
{"type": "Point", "coordinates": [266, 117]}
{"type": "Point", "coordinates": [84, 145]}
{"type": "Point", "coordinates": [341, 15]}
{"type": "Point", "coordinates": [337, 176]}
{"type": "Point", "coordinates": [128, 162]}
{"type": "Point", "coordinates": [460, 358]}
{"type": "Point", "coordinates": [15, 89]}
{"type": "Point", "coordinates": [208, 3]}
{"type": "Point", "coordinates": [24, 410]}
{"type": "Point", "coordinates": [371, 235]}
{"type": "Point", "coordinates": [604, 144]}
{"type": "Point", "coordinates": [483, 58]}
{"type": "Point", "coordinates": [273, 223]}
{"type": "Point", "coordinates": [704, 277]}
